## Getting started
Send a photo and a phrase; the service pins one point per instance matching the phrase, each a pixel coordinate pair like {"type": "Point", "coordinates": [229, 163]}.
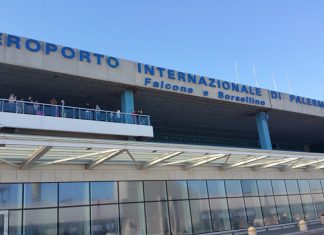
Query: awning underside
{"type": "Point", "coordinates": [25, 152]}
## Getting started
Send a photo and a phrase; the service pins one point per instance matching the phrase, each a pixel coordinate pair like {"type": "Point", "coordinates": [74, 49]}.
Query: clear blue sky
{"type": "Point", "coordinates": [283, 37]}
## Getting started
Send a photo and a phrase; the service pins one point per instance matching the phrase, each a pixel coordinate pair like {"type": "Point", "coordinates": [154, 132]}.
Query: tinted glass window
{"type": "Point", "coordinates": [269, 210]}
{"type": "Point", "coordinates": [180, 217]}
{"type": "Point", "coordinates": [132, 219]}
{"type": "Point", "coordinates": [74, 220]}
{"type": "Point", "coordinates": [279, 187]}
{"type": "Point", "coordinates": [220, 214]}
{"type": "Point", "coordinates": [177, 190]}
{"type": "Point", "coordinates": [319, 203]}
{"type": "Point", "coordinates": [200, 216]}
{"type": "Point", "coordinates": [104, 192]}
{"type": "Point", "coordinates": [155, 190]}
{"type": "Point", "coordinates": [265, 187]}
{"type": "Point", "coordinates": [296, 207]}
{"type": "Point", "coordinates": [40, 221]}
{"type": "Point", "coordinates": [197, 189]}
{"type": "Point", "coordinates": [216, 188]}
{"type": "Point", "coordinates": [253, 211]}
{"type": "Point", "coordinates": [15, 222]}
{"type": "Point", "coordinates": [157, 219]}
{"type": "Point", "coordinates": [237, 213]}
{"type": "Point", "coordinates": [315, 186]}
{"type": "Point", "coordinates": [131, 191]}
{"type": "Point", "coordinates": [308, 207]}
{"type": "Point", "coordinates": [249, 188]}
{"type": "Point", "coordinates": [10, 196]}
{"type": "Point", "coordinates": [105, 220]}
{"type": "Point", "coordinates": [233, 188]}
{"type": "Point", "coordinates": [303, 186]}
{"type": "Point", "coordinates": [73, 193]}
{"type": "Point", "coordinates": [283, 209]}
{"type": "Point", "coordinates": [292, 186]}
{"type": "Point", "coordinates": [40, 195]}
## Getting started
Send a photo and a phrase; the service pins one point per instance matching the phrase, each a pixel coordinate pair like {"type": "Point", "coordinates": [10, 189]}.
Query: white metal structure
{"type": "Point", "coordinates": [25, 152]}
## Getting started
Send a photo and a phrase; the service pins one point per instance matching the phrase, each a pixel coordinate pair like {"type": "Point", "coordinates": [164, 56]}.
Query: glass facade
{"type": "Point", "coordinates": [158, 207]}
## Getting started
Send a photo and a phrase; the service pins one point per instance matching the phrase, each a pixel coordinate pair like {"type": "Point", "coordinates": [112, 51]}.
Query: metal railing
{"type": "Point", "coordinates": [269, 229]}
{"type": "Point", "coordinates": [62, 111]}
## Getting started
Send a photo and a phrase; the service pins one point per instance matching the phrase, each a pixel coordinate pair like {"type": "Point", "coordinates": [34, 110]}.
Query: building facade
{"type": "Point", "coordinates": [93, 144]}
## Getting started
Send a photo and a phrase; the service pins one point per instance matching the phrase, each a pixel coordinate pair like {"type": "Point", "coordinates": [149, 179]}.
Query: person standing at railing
{"type": "Point", "coordinates": [12, 101]}
{"type": "Point", "coordinates": [139, 117]}
{"type": "Point", "coordinates": [37, 108]}
{"type": "Point", "coordinates": [29, 106]}
{"type": "Point", "coordinates": [54, 110]}
{"type": "Point", "coordinates": [98, 112]}
{"type": "Point", "coordinates": [118, 115]}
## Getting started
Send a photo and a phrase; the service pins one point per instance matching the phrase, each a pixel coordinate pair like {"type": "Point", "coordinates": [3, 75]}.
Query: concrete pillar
{"type": "Point", "coordinates": [264, 135]}
{"type": "Point", "coordinates": [127, 101]}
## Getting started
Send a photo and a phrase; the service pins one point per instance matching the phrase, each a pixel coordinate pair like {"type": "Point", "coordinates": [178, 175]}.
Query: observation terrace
{"type": "Point", "coordinates": [60, 118]}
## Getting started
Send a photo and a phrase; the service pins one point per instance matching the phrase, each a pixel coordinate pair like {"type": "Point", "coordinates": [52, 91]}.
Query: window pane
{"type": "Point", "coordinates": [322, 183]}
{"type": "Point", "coordinates": [180, 217]}
{"type": "Point", "coordinates": [269, 210]}
{"type": "Point", "coordinates": [155, 190]}
{"type": "Point", "coordinates": [197, 189]}
{"type": "Point", "coordinates": [253, 211]}
{"type": "Point", "coordinates": [104, 192]}
{"type": "Point", "coordinates": [10, 196]}
{"type": "Point", "coordinates": [296, 207]}
{"type": "Point", "coordinates": [303, 186]}
{"type": "Point", "coordinates": [104, 220]}
{"type": "Point", "coordinates": [233, 188]}
{"type": "Point", "coordinates": [157, 218]}
{"type": "Point", "coordinates": [265, 187]}
{"type": "Point", "coordinates": [283, 209]}
{"type": "Point", "coordinates": [200, 216]}
{"type": "Point", "coordinates": [74, 221]}
{"type": "Point", "coordinates": [319, 203]}
{"type": "Point", "coordinates": [40, 221]}
{"type": "Point", "coordinates": [15, 219]}
{"type": "Point", "coordinates": [177, 190]}
{"type": "Point", "coordinates": [237, 213]}
{"type": "Point", "coordinates": [308, 207]}
{"type": "Point", "coordinates": [220, 215]}
{"type": "Point", "coordinates": [73, 193]}
{"type": "Point", "coordinates": [131, 191]}
{"type": "Point", "coordinates": [315, 186]}
{"type": "Point", "coordinates": [279, 187]}
{"type": "Point", "coordinates": [292, 186]}
{"type": "Point", "coordinates": [216, 188]}
{"type": "Point", "coordinates": [132, 218]}
{"type": "Point", "coordinates": [249, 188]}
{"type": "Point", "coordinates": [40, 195]}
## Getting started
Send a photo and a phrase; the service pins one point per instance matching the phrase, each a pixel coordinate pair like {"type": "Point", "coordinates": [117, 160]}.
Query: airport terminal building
{"type": "Point", "coordinates": [93, 144]}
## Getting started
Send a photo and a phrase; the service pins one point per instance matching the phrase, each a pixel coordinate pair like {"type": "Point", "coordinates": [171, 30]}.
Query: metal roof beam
{"type": "Point", "coordinates": [75, 158]}
{"type": "Point", "coordinates": [205, 161]}
{"type": "Point", "coordinates": [103, 159]}
{"type": "Point", "coordinates": [279, 162]}
{"type": "Point", "coordinates": [160, 159]}
{"type": "Point", "coordinates": [34, 156]}
{"type": "Point", "coordinates": [306, 164]}
{"type": "Point", "coordinates": [244, 162]}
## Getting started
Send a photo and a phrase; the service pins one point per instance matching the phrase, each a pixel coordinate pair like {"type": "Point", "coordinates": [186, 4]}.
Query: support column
{"type": "Point", "coordinates": [264, 135]}
{"type": "Point", "coordinates": [127, 101]}
{"type": "Point", "coordinates": [127, 106]}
